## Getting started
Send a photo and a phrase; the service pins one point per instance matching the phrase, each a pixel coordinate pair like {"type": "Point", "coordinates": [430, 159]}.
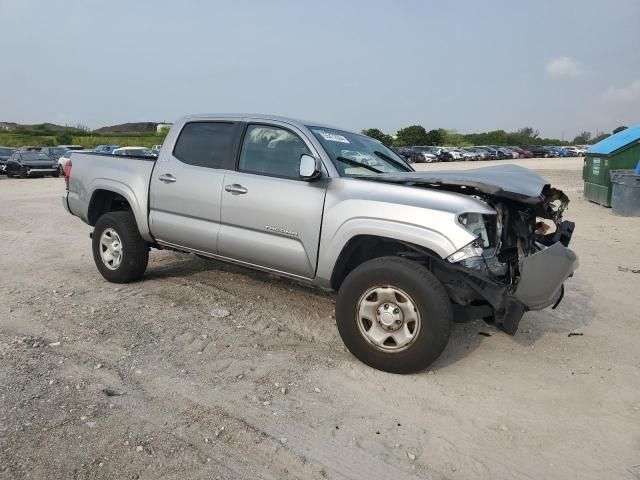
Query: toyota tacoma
{"type": "Point", "coordinates": [407, 252]}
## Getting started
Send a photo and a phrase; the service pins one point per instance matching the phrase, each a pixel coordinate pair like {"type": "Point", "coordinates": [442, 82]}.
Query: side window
{"type": "Point", "coordinates": [206, 144]}
{"type": "Point", "coordinates": [269, 150]}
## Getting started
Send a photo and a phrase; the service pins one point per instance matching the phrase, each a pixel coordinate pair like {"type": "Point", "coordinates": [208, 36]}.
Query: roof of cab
{"type": "Point", "coordinates": [253, 116]}
{"type": "Point", "coordinates": [616, 141]}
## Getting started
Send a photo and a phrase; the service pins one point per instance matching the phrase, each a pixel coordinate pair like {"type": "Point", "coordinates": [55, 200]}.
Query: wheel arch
{"type": "Point", "coordinates": [113, 197]}
{"type": "Point", "coordinates": [362, 248]}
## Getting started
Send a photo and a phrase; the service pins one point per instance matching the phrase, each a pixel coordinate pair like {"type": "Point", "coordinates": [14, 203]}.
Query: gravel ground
{"type": "Point", "coordinates": [204, 370]}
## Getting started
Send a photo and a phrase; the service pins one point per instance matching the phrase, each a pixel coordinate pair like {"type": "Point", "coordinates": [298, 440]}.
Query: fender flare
{"type": "Point", "coordinates": [138, 206]}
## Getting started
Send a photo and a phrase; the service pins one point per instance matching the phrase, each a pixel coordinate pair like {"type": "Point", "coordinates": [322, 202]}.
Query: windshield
{"type": "Point", "coordinates": [35, 156]}
{"type": "Point", "coordinates": [354, 154]}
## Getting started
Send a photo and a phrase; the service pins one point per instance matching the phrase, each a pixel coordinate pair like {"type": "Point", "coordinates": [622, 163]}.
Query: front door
{"type": "Point", "coordinates": [186, 185]}
{"type": "Point", "coordinates": [270, 217]}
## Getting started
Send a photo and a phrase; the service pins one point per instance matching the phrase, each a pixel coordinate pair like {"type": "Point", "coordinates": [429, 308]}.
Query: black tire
{"type": "Point", "coordinates": [23, 172]}
{"type": "Point", "coordinates": [135, 251]}
{"type": "Point", "coordinates": [427, 294]}
{"type": "Point", "coordinates": [56, 174]}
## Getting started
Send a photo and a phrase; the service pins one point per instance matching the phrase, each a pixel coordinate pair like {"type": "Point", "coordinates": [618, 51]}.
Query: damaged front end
{"type": "Point", "coordinates": [518, 261]}
{"type": "Point", "coordinates": [519, 258]}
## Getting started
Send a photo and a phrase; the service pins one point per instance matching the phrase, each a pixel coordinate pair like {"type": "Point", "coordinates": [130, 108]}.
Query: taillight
{"type": "Point", "coordinates": [67, 173]}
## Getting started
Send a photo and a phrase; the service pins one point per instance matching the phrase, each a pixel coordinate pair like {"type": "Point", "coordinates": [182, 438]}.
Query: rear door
{"type": "Point", "coordinates": [186, 184]}
{"type": "Point", "coordinates": [270, 217]}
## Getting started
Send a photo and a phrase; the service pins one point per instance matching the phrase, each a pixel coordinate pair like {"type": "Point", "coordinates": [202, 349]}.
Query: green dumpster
{"type": "Point", "coordinates": [620, 151]}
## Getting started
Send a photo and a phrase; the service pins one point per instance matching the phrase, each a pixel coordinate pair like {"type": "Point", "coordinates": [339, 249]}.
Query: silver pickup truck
{"type": "Point", "coordinates": [408, 252]}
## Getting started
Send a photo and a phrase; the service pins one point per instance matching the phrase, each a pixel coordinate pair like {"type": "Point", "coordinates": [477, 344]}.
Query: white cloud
{"type": "Point", "coordinates": [564, 67]}
{"type": "Point", "coordinates": [628, 93]}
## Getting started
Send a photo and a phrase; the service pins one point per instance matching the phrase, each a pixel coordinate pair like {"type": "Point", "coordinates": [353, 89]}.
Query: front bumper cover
{"type": "Point", "coordinates": [540, 285]}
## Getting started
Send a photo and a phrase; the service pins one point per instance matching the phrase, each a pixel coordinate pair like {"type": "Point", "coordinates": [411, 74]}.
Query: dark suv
{"type": "Point", "coordinates": [29, 164]}
{"type": "Point", "coordinates": [5, 154]}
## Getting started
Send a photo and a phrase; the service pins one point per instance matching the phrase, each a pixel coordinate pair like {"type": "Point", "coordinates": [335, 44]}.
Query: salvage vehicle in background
{"type": "Point", "coordinates": [478, 152]}
{"type": "Point", "coordinates": [575, 151]}
{"type": "Point", "coordinates": [134, 151]}
{"type": "Point", "coordinates": [522, 152]}
{"type": "Point", "coordinates": [25, 164]}
{"type": "Point", "coordinates": [54, 152]}
{"type": "Point", "coordinates": [539, 151]}
{"type": "Point", "coordinates": [406, 251]}
{"type": "Point", "coordinates": [411, 155]}
{"type": "Point", "coordinates": [5, 154]}
{"type": "Point", "coordinates": [492, 153]}
{"type": "Point", "coordinates": [429, 150]}
{"type": "Point", "coordinates": [105, 148]}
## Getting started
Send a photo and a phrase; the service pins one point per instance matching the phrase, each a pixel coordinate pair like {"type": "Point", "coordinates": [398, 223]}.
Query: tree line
{"type": "Point", "coordinates": [418, 135]}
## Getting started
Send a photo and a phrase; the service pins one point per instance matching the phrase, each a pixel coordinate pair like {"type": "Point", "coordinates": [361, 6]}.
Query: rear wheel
{"type": "Point", "coordinates": [119, 252]}
{"type": "Point", "coordinates": [393, 315]}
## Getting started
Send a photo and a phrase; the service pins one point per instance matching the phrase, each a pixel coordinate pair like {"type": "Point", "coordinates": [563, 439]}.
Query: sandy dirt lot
{"type": "Point", "coordinates": [141, 381]}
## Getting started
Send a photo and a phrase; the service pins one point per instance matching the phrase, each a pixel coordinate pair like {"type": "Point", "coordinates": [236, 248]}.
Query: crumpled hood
{"type": "Point", "coordinates": [507, 181]}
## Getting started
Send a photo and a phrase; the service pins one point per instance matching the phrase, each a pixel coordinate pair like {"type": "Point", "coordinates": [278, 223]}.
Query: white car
{"type": "Point", "coordinates": [577, 150]}
{"type": "Point", "coordinates": [63, 160]}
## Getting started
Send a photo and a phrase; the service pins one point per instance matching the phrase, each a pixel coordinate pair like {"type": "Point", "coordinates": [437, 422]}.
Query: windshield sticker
{"type": "Point", "coordinates": [333, 137]}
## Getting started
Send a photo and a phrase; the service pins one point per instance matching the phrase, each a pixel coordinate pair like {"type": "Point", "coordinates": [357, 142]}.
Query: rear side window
{"type": "Point", "coordinates": [207, 144]}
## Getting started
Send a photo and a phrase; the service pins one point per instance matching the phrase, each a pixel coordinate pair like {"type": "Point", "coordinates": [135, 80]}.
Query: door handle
{"type": "Point", "coordinates": [167, 178]}
{"type": "Point", "coordinates": [235, 188]}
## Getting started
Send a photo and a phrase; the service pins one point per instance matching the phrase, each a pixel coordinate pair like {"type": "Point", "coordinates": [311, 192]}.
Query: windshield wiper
{"type": "Point", "coordinates": [354, 163]}
{"type": "Point", "coordinates": [389, 159]}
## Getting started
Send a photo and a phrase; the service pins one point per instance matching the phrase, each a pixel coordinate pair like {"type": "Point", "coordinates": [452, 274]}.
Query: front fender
{"type": "Point", "coordinates": [331, 247]}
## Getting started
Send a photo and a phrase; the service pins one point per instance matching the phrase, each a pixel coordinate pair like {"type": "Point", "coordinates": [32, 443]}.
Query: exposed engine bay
{"type": "Point", "coordinates": [519, 259]}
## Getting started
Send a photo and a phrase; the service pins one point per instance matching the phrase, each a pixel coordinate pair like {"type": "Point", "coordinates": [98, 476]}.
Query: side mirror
{"type": "Point", "coordinates": [310, 167]}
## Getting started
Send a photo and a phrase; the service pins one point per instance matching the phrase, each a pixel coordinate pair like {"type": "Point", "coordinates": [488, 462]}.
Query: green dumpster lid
{"type": "Point", "coordinates": [616, 141]}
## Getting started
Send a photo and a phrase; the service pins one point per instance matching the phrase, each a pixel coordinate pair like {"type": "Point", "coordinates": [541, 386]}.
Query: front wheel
{"type": "Point", "coordinates": [393, 315]}
{"type": "Point", "coordinates": [120, 253]}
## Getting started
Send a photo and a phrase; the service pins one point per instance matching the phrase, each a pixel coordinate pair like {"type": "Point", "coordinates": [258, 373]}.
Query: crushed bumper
{"type": "Point", "coordinates": [540, 284]}
{"type": "Point", "coordinates": [542, 275]}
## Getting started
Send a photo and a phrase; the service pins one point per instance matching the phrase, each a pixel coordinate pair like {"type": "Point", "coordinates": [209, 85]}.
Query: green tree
{"type": "Point", "coordinates": [582, 138]}
{"type": "Point", "coordinates": [412, 135]}
{"type": "Point", "coordinates": [602, 136]}
{"type": "Point", "coordinates": [437, 136]}
{"type": "Point", "coordinates": [64, 138]}
{"type": "Point", "coordinates": [378, 135]}
{"type": "Point", "coordinates": [523, 136]}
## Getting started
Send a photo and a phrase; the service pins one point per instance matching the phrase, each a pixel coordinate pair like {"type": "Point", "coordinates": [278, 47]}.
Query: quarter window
{"type": "Point", "coordinates": [274, 151]}
{"type": "Point", "coordinates": [206, 144]}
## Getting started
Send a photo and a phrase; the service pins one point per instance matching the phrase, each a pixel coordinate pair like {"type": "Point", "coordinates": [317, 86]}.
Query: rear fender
{"type": "Point", "coordinates": [138, 205]}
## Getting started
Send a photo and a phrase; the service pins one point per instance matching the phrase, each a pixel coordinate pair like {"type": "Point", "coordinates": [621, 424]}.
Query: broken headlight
{"type": "Point", "coordinates": [484, 228]}
{"type": "Point", "coordinates": [473, 249]}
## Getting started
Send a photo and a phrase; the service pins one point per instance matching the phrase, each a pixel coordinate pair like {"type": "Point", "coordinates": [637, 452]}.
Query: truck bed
{"type": "Point", "coordinates": [126, 175]}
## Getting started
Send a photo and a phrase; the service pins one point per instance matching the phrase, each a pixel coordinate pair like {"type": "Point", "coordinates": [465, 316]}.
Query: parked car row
{"type": "Point", "coordinates": [429, 153]}
{"type": "Point", "coordinates": [29, 161]}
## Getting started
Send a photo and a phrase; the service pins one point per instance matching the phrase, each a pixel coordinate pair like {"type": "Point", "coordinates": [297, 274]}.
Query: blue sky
{"type": "Point", "coordinates": [559, 66]}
